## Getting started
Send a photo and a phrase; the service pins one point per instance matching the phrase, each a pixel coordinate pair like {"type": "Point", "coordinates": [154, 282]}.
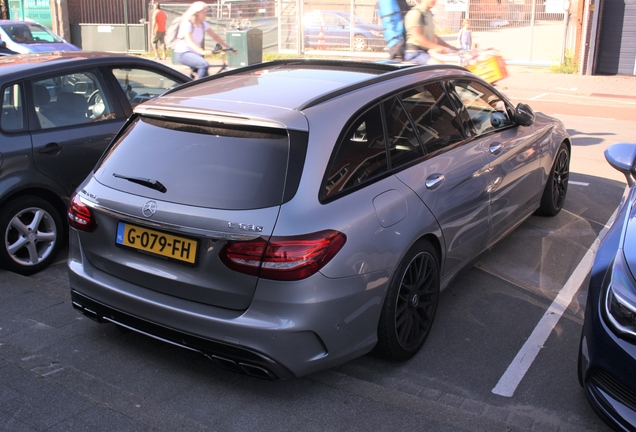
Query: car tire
{"type": "Point", "coordinates": [557, 185]}
{"type": "Point", "coordinates": [360, 43]}
{"type": "Point", "coordinates": [410, 305]}
{"type": "Point", "coordinates": [31, 232]}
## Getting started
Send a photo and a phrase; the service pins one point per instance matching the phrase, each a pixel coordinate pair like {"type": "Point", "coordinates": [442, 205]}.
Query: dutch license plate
{"type": "Point", "coordinates": [157, 242]}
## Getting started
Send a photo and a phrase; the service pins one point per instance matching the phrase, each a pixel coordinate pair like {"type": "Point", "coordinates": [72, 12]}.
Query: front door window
{"type": "Point", "coordinates": [71, 99]}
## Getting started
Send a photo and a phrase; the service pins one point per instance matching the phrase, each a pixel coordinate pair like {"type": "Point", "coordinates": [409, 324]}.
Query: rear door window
{"type": "Point", "coordinates": [199, 165]}
{"type": "Point", "coordinates": [404, 146]}
{"type": "Point", "coordinates": [12, 117]}
{"type": "Point", "coordinates": [419, 122]}
{"type": "Point", "coordinates": [435, 119]}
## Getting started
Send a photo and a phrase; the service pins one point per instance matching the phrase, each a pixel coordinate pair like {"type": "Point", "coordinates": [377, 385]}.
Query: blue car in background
{"type": "Point", "coordinates": [607, 354]}
{"type": "Point", "coordinates": [336, 28]}
{"type": "Point", "coordinates": [28, 37]}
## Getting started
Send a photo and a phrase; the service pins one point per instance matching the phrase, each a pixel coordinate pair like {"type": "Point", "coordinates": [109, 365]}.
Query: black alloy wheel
{"type": "Point", "coordinates": [410, 306]}
{"type": "Point", "coordinates": [557, 186]}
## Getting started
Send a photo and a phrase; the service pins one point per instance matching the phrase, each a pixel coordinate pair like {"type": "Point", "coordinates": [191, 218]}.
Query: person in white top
{"type": "Point", "coordinates": [192, 30]}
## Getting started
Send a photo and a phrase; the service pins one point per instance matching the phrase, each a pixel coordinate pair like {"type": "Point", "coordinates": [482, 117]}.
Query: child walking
{"type": "Point", "coordinates": [464, 37]}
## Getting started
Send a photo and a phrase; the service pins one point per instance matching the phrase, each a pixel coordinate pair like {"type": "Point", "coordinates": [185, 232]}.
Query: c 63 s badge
{"type": "Point", "coordinates": [244, 227]}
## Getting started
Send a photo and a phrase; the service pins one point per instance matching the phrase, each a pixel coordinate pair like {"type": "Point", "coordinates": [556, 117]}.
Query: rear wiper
{"type": "Point", "coordinates": [152, 184]}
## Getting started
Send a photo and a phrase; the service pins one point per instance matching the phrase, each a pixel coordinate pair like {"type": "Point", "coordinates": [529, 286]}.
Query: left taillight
{"type": "Point", "coordinates": [80, 216]}
{"type": "Point", "coordinates": [284, 258]}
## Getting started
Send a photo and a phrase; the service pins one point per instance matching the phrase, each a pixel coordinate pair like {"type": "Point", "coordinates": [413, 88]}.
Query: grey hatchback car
{"type": "Point", "coordinates": [289, 216]}
{"type": "Point", "coordinates": [59, 112]}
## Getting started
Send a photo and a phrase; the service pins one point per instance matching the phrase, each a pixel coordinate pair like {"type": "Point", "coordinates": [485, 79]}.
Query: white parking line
{"type": "Point", "coordinates": [525, 357]}
{"type": "Point", "coordinates": [578, 183]}
{"type": "Point", "coordinates": [538, 96]}
{"type": "Point", "coordinates": [583, 117]}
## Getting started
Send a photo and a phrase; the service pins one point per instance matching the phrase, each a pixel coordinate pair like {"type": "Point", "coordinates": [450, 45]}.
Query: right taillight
{"type": "Point", "coordinates": [80, 216]}
{"type": "Point", "coordinates": [284, 258]}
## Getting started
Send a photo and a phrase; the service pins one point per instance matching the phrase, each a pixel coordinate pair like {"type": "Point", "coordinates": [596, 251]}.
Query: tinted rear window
{"type": "Point", "coordinates": [198, 165]}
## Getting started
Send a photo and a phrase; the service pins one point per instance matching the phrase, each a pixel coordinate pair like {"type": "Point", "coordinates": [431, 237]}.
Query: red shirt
{"type": "Point", "coordinates": [160, 21]}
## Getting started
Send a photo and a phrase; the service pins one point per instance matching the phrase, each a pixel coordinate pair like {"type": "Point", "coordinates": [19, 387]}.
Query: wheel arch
{"type": "Point", "coordinates": [430, 238]}
{"type": "Point", "coordinates": [435, 242]}
{"type": "Point", "coordinates": [568, 143]}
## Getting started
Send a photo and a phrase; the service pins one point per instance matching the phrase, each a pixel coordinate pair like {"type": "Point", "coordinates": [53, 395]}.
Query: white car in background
{"type": "Point", "coordinates": [28, 37]}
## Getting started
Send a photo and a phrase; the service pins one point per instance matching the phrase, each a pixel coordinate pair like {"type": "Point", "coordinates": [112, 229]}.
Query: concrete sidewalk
{"type": "Point", "coordinates": [537, 79]}
{"type": "Point", "coordinates": [542, 80]}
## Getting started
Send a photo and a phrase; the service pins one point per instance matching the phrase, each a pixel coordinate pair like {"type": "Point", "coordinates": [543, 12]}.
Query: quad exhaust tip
{"type": "Point", "coordinates": [222, 362]}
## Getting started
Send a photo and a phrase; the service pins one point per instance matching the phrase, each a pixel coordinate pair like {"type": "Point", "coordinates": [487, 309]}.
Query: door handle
{"type": "Point", "coordinates": [51, 149]}
{"type": "Point", "coordinates": [495, 148]}
{"type": "Point", "coordinates": [434, 181]}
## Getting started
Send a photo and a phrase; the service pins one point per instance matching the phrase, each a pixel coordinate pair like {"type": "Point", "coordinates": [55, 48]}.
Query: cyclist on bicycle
{"type": "Point", "coordinates": [192, 30]}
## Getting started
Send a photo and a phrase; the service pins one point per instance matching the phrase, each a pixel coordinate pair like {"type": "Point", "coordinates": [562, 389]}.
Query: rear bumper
{"type": "Point", "coordinates": [224, 355]}
{"type": "Point", "coordinates": [289, 330]}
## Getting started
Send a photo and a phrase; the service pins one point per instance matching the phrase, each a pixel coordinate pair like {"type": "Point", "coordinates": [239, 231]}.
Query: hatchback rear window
{"type": "Point", "coordinates": [199, 165]}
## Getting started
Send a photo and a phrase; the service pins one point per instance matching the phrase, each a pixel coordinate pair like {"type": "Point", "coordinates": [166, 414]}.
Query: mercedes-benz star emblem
{"type": "Point", "coordinates": [149, 208]}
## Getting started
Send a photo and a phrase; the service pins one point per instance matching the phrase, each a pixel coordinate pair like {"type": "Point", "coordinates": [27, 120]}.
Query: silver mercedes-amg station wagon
{"type": "Point", "coordinates": [286, 217]}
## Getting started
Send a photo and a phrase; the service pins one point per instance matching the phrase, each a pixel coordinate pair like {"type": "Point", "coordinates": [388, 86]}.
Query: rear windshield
{"type": "Point", "coordinates": [213, 167]}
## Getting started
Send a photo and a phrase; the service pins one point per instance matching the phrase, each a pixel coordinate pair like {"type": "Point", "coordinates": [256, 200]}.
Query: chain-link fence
{"type": "Point", "coordinates": [226, 15]}
{"type": "Point", "coordinates": [522, 31]}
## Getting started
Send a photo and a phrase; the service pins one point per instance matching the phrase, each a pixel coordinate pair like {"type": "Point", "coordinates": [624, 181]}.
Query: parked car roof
{"type": "Point", "coordinates": [25, 64]}
{"type": "Point", "coordinates": [279, 91]}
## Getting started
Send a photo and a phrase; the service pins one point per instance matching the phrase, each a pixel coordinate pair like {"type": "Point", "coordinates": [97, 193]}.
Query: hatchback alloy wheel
{"type": "Point", "coordinates": [31, 228]}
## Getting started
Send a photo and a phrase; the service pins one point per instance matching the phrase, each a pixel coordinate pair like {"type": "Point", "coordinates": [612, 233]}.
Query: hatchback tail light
{"type": "Point", "coordinates": [80, 216]}
{"type": "Point", "coordinates": [284, 258]}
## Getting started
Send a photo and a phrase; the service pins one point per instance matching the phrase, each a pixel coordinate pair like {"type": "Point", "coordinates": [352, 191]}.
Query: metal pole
{"type": "Point", "coordinates": [566, 19]}
{"type": "Point", "coordinates": [591, 58]}
{"type": "Point", "coordinates": [280, 25]}
{"type": "Point", "coordinates": [351, 23]}
{"type": "Point", "coordinates": [300, 38]}
{"type": "Point", "coordinates": [145, 22]}
{"type": "Point", "coordinates": [126, 25]}
{"type": "Point", "coordinates": [534, 7]}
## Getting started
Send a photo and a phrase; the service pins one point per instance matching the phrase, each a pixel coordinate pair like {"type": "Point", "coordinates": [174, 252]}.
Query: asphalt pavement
{"type": "Point", "coordinates": [59, 371]}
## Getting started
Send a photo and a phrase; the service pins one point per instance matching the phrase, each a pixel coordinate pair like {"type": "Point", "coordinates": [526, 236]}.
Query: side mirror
{"type": "Point", "coordinates": [524, 115]}
{"type": "Point", "coordinates": [3, 44]}
{"type": "Point", "coordinates": [622, 157]}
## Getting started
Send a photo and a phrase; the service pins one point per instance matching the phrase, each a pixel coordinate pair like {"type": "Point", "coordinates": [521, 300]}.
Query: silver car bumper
{"type": "Point", "coordinates": [289, 330]}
